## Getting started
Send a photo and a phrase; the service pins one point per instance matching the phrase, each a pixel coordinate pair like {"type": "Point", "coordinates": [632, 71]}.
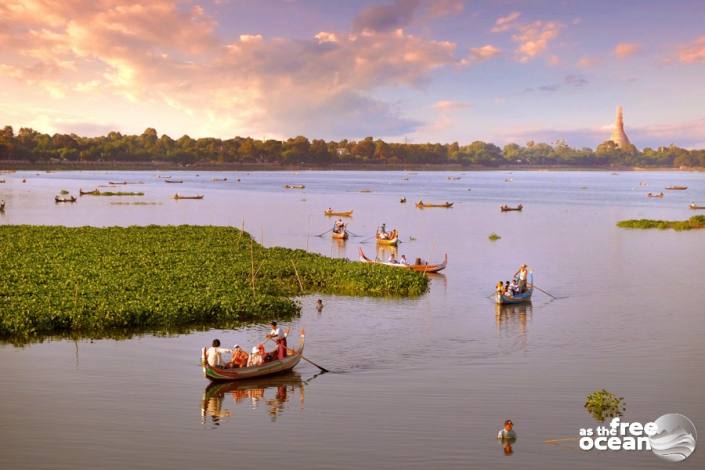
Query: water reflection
{"type": "Point", "coordinates": [275, 394]}
{"type": "Point", "coordinates": [512, 321]}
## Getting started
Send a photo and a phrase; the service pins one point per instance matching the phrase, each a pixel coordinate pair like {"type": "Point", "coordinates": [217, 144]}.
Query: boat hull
{"type": "Point", "coordinates": [339, 236]}
{"type": "Point", "coordinates": [338, 213]}
{"type": "Point", "coordinates": [515, 299]}
{"type": "Point", "coordinates": [419, 268]}
{"type": "Point", "coordinates": [391, 242]}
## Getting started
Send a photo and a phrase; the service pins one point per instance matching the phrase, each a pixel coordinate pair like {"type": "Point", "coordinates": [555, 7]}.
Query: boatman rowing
{"type": "Point", "coordinates": [280, 337]}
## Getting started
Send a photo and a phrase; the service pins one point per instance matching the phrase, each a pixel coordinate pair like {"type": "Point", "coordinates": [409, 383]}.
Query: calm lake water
{"type": "Point", "coordinates": [418, 384]}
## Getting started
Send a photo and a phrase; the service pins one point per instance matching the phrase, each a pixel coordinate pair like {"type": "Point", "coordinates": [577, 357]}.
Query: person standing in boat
{"type": "Point", "coordinates": [214, 354]}
{"type": "Point", "coordinates": [522, 274]}
{"type": "Point", "coordinates": [278, 335]}
{"type": "Point", "coordinates": [383, 232]}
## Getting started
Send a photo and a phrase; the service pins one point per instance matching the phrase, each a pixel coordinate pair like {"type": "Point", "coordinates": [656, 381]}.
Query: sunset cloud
{"type": "Point", "coordinates": [505, 23]}
{"type": "Point", "coordinates": [447, 105]}
{"type": "Point", "coordinates": [693, 52]}
{"type": "Point", "coordinates": [485, 52]}
{"type": "Point", "coordinates": [534, 38]}
{"type": "Point", "coordinates": [625, 49]}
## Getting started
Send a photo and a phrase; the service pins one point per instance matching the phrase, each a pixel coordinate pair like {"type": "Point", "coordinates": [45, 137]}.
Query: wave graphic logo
{"type": "Point", "coordinates": [675, 439]}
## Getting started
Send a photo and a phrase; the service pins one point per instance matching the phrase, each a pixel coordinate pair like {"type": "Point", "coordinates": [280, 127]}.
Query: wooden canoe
{"type": "Point", "coordinates": [676, 188]}
{"type": "Point", "coordinates": [65, 199]}
{"type": "Point", "coordinates": [425, 205]}
{"type": "Point", "coordinates": [387, 241]}
{"type": "Point", "coordinates": [340, 235]}
{"type": "Point", "coordinates": [174, 181]}
{"type": "Point", "coordinates": [94, 192]}
{"type": "Point", "coordinates": [421, 268]}
{"type": "Point", "coordinates": [197, 196]}
{"type": "Point", "coordinates": [331, 213]}
{"type": "Point", "coordinates": [117, 182]}
{"type": "Point", "coordinates": [294, 186]}
{"type": "Point", "coordinates": [506, 208]}
{"type": "Point", "coordinates": [695, 206]}
{"type": "Point", "coordinates": [220, 179]}
{"type": "Point", "coordinates": [276, 366]}
{"type": "Point", "coordinates": [656, 195]}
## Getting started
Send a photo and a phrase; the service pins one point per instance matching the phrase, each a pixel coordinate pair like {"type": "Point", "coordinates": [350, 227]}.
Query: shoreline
{"type": "Point", "coordinates": [17, 165]}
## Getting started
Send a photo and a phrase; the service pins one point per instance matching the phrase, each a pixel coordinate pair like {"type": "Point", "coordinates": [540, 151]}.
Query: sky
{"type": "Point", "coordinates": [401, 70]}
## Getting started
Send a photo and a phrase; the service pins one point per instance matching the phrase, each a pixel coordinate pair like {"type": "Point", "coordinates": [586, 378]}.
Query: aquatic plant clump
{"type": "Point", "coordinates": [602, 405]}
{"type": "Point", "coordinates": [695, 222]}
{"type": "Point", "coordinates": [89, 281]}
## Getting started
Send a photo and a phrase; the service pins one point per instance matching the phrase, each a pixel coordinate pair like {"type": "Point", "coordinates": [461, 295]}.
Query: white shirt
{"type": "Point", "coordinates": [504, 434]}
{"type": "Point", "coordinates": [213, 355]}
{"type": "Point", "coordinates": [276, 333]}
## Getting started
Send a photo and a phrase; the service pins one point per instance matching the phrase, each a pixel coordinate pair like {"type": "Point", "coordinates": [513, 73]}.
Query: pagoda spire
{"type": "Point", "coordinates": [619, 137]}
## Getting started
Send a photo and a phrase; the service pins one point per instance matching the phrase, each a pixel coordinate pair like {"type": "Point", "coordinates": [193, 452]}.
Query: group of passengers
{"type": "Point", "coordinates": [382, 233]}
{"type": "Point", "coordinates": [240, 358]}
{"type": "Point", "coordinates": [518, 284]}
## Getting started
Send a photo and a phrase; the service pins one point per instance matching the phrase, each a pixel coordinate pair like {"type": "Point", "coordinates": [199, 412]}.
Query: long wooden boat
{"type": "Point", "coordinates": [179, 196]}
{"type": "Point", "coordinates": [220, 179]}
{"type": "Point", "coordinates": [676, 188]}
{"type": "Point", "coordinates": [174, 181]}
{"type": "Point", "coordinates": [93, 192]}
{"type": "Point", "coordinates": [425, 205]}
{"type": "Point", "coordinates": [117, 182]}
{"type": "Point", "coordinates": [422, 268]}
{"type": "Point", "coordinates": [506, 208]}
{"type": "Point", "coordinates": [387, 241]}
{"type": "Point", "coordinates": [655, 195]}
{"type": "Point", "coordinates": [294, 186]}
{"type": "Point", "coordinates": [65, 199]}
{"type": "Point", "coordinates": [276, 366]}
{"type": "Point", "coordinates": [332, 213]}
{"type": "Point", "coordinates": [340, 235]}
{"type": "Point", "coordinates": [695, 206]}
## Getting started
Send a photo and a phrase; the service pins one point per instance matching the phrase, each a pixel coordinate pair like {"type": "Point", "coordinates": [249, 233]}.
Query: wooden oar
{"type": "Point", "coordinates": [321, 234]}
{"type": "Point", "coordinates": [550, 295]}
{"type": "Point", "coordinates": [323, 369]}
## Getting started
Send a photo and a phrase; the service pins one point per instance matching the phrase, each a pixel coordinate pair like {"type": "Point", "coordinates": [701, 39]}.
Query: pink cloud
{"type": "Point", "coordinates": [534, 38]}
{"type": "Point", "coordinates": [447, 105]}
{"type": "Point", "coordinates": [625, 49]}
{"type": "Point", "coordinates": [440, 8]}
{"type": "Point", "coordinates": [485, 52]}
{"type": "Point", "coordinates": [586, 62]}
{"type": "Point", "coordinates": [505, 23]}
{"type": "Point", "coordinates": [693, 52]}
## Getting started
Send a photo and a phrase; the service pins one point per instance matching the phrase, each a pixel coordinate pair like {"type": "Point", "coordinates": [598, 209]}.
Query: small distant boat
{"type": "Point", "coordinates": [656, 195]}
{"type": "Point", "coordinates": [520, 297]}
{"type": "Point", "coordinates": [508, 180]}
{"type": "Point", "coordinates": [676, 188]}
{"type": "Point", "coordinates": [179, 196]}
{"type": "Point", "coordinates": [294, 186]}
{"type": "Point", "coordinates": [2, 181]}
{"type": "Point", "coordinates": [506, 208]}
{"type": "Point", "coordinates": [331, 213]}
{"type": "Point", "coordinates": [425, 205]}
{"type": "Point", "coordinates": [339, 235]}
{"type": "Point", "coordinates": [275, 366]}
{"type": "Point", "coordinates": [2, 206]}
{"type": "Point", "coordinates": [402, 200]}
{"type": "Point", "coordinates": [174, 181]}
{"type": "Point", "coordinates": [117, 182]}
{"type": "Point", "coordinates": [454, 178]}
{"type": "Point", "coordinates": [164, 177]}
{"type": "Point", "coordinates": [365, 190]}
{"type": "Point", "coordinates": [695, 206]}
{"type": "Point", "coordinates": [420, 267]}
{"type": "Point", "coordinates": [392, 238]}
{"type": "Point", "coordinates": [219, 179]}
{"type": "Point", "coordinates": [94, 192]}
{"type": "Point", "coordinates": [65, 199]}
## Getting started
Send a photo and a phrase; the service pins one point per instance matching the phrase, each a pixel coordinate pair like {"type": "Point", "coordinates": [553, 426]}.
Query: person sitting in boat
{"type": "Point", "coordinates": [239, 358]}
{"type": "Point", "coordinates": [523, 275]}
{"type": "Point", "coordinates": [508, 289]}
{"type": "Point", "coordinates": [214, 354]}
{"type": "Point", "coordinates": [500, 288]}
{"type": "Point", "coordinates": [257, 356]}
{"type": "Point", "coordinates": [514, 287]}
{"type": "Point", "coordinates": [339, 226]}
{"type": "Point", "coordinates": [392, 259]}
{"type": "Point", "coordinates": [279, 336]}
{"type": "Point", "coordinates": [403, 260]}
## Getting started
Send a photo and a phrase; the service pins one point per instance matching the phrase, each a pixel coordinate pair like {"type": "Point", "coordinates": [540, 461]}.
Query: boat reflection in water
{"type": "Point", "coordinates": [274, 392]}
{"type": "Point", "coordinates": [512, 321]}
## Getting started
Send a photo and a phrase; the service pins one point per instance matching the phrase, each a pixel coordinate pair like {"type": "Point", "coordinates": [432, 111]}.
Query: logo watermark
{"type": "Point", "coordinates": [672, 437]}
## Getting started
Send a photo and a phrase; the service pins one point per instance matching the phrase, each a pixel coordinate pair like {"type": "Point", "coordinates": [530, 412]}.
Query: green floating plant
{"type": "Point", "coordinates": [602, 404]}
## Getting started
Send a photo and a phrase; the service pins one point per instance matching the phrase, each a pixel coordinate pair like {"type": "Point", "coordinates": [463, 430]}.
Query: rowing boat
{"type": "Point", "coordinates": [506, 208]}
{"type": "Point", "coordinates": [421, 267]}
{"type": "Point", "coordinates": [94, 192]}
{"type": "Point", "coordinates": [340, 235]}
{"type": "Point", "coordinates": [657, 195]}
{"type": "Point", "coordinates": [178, 196]}
{"type": "Point", "coordinates": [392, 240]}
{"type": "Point", "coordinates": [518, 298]}
{"type": "Point", "coordinates": [677, 188]}
{"type": "Point", "coordinates": [695, 206]}
{"type": "Point", "coordinates": [331, 213]}
{"type": "Point", "coordinates": [402, 200]}
{"type": "Point", "coordinates": [65, 199]}
{"type": "Point", "coordinates": [425, 205]}
{"type": "Point", "coordinates": [276, 366]}
{"type": "Point", "coordinates": [294, 186]}
{"type": "Point", "coordinates": [174, 181]}
{"type": "Point", "coordinates": [117, 182]}
{"type": "Point", "coordinates": [220, 179]}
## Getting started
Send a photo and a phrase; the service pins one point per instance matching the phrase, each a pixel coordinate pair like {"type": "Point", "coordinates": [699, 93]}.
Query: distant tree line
{"type": "Point", "coordinates": [30, 145]}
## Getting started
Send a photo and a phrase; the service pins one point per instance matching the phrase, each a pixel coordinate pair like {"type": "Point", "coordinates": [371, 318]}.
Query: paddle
{"type": "Point", "coordinates": [550, 295]}
{"type": "Point", "coordinates": [321, 234]}
{"type": "Point", "coordinates": [323, 369]}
